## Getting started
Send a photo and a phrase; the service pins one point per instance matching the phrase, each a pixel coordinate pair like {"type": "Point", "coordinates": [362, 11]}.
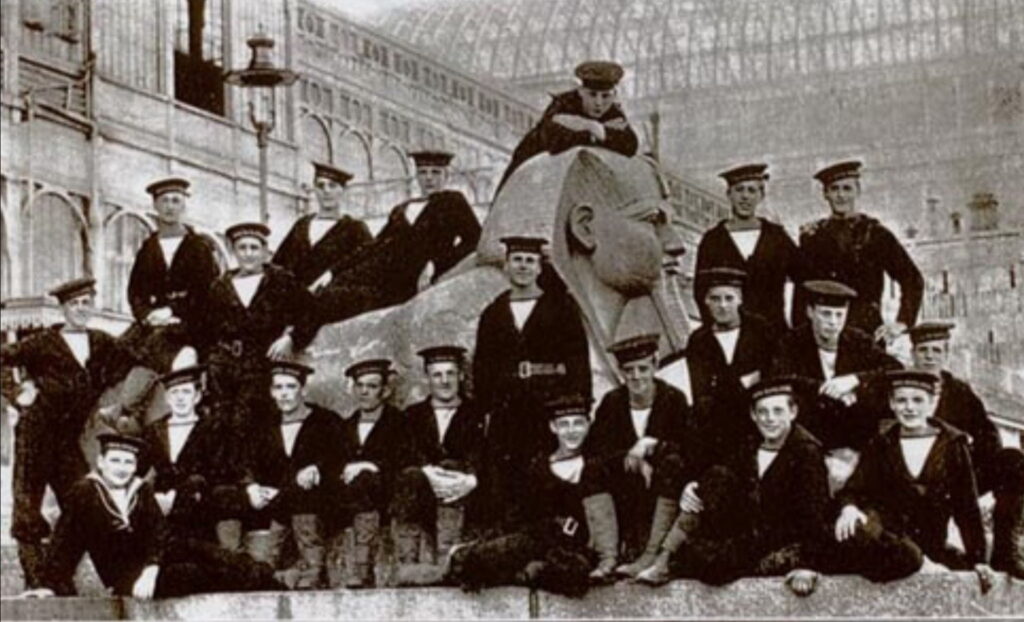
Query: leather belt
{"type": "Point", "coordinates": [528, 369]}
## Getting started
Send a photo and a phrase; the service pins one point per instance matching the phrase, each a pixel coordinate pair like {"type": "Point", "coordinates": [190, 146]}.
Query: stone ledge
{"type": "Point", "coordinates": [946, 595]}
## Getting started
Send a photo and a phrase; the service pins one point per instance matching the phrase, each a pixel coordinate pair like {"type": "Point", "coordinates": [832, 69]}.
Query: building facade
{"type": "Point", "coordinates": [100, 97]}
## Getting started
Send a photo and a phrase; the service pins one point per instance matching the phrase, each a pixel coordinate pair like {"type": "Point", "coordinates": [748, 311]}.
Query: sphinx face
{"type": "Point", "coordinates": [630, 246]}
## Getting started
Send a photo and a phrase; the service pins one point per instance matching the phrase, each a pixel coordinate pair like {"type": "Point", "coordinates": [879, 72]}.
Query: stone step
{"type": "Point", "coordinates": [923, 596]}
{"type": "Point", "coordinates": [12, 579]}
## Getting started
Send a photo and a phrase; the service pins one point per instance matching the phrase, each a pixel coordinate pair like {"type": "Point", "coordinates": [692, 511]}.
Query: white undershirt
{"type": "Point", "coordinates": [289, 432]}
{"type": "Point", "coordinates": [745, 241]}
{"type": "Point", "coordinates": [413, 211]}
{"type": "Point", "coordinates": [246, 286]}
{"type": "Point", "coordinates": [915, 452]}
{"type": "Point", "coordinates": [568, 470]}
{"type": "Point", "coordinates": [765, 457]}
{"type": "Point", "coordinates": [521, 310]}
{"type": "Point", "coordinates": [169, 246]}
{"type": "Point", "coordinates": [78, 343]}
{"type": "Point", "coordinates": [364, 429]}
{"type": "Point", "coordinates": [177, 436]}
{"type": "Point", "coordinates": [318, 228]}
{"type": "Point", "coordinates": [640, 418]}
{"type": "Point", "coordinates": [828, 363]}
{"type": "Point", "coordinates": [443, 416]}
{"type": "Point", "coordinates": [727, 340]}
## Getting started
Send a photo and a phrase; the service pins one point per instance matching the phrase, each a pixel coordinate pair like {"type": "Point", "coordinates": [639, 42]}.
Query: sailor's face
{"type": "Point", "coordinates": [182, 399]}
{"type": "Point", "coordinates": [842, 194]}
{"type": "Point", "coordinates": [117, 467]}
{"type": "Point", "coordinates": [633, 245]}
{"type": "Point", "coordinates": [744, 197]}
{"type": "Point", "coordinates": [170, 207]}
{"type": "Point", "coordinates": [443, 378]}
{"type": "Point", "coordinates": [930, 355]}
{"type": "Point", "coordinates": [251, 253]}
{"type": "Point", "coordinates": [912, 406]}
{"type": "Point", "coordinates": [595, 102]}
{"type": "Point", "coordinates": [369, 391]}
{"type": "Point", "coordinates": [78, 310]}
{"type": "Point", "coordinates": [523, 268]}
{"type": "Point", "coordinates": [431, 179]}
{"type": "Point", "coordinates": [639, 375]}
{"type": "Point", "coordinates": [571, 431]}
{"type": "Point", "coordinates": [774, 416]}
{"type": "Point", "coordinates": [827, 322]}
{"type": "Point", "coordinates": [286, 391]}
{"type": "Point", "coordinates": [723, 302]}
{"type": "Point", "coordinates": [328, 192]}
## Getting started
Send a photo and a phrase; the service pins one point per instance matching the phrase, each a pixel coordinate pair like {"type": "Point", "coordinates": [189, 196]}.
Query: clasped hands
{"type": "Point", "coordinates": [448, 485]}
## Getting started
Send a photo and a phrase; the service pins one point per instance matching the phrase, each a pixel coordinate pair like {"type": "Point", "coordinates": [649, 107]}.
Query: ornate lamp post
{"type": "Point", "coordinates": [262, 77]}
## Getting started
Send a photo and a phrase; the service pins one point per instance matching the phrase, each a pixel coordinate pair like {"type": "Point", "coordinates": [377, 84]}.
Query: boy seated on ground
{"type": "Point", "coordinates": [763, 511]}
{"type": "Point", "coordinates": [566, 528]}
{"type": "Point", "coordinates": [112, 515]}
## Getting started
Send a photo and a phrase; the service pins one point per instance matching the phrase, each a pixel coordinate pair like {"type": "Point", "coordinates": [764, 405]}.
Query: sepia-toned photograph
{"type": "Point", "coordinates": [511, 309]}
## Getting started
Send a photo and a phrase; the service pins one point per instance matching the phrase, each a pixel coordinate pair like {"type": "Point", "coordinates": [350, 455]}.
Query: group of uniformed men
{"type": "Point", "coordinates": [744, 479]}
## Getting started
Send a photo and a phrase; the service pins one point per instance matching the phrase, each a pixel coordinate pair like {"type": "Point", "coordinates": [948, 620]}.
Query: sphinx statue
{"type": "Point", "coordinates": [612, 245]}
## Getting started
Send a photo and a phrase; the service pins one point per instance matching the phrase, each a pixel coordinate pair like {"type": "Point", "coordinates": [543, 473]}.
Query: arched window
{"type": "Point", "coordinates": [391, 176]}
{"type": "Point", "coordinates": [123, 234]}
{"type": "Point", "coordinates": [314, 140]}
{"type": "Point", "coordinates": [351, 153]}
{"type": "Point", "coordinates": [57, 239]}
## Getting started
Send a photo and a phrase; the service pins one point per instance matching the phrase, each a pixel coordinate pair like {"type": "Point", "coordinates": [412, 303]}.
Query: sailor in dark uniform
{"type": "Point", "coordinates": [857, 250]}
{"type": "Point", "coordinates": [293, 472]}
{"type": "Point", "coordinates": [67, 368]}
{"type": "Point", "coordinates": [911, 478]}
{"type": "Point", "coordinates": [376, 443]}
{"type": "Point", "coordinates": [424, 238]}
{"type": "Point", "coordinates": [589, 115]}
{"type": "Point", "coordinates": [999, 471]}
{"type": "Point", "coordinates": [727, 355]}
{"type": "Point", "coordinates": [320, 246]}
{"type": "Point", "coordinates": [255, 314]}
{"type": "Point", "coordinates": [744, 241]}
{"type": "Point", "coordinates": [195, 455]}
{"type": "Point", "coordinates": [112, 515]}
{"type": "Point", "coordinates": [568, 525]}
{"type": "Point", "coordinates": [778, 483]}
{"type": "Point", "coordinates": [446, 449]}
{"type": "Point", "coordinates": [531, 346]}
{"type": "Point", "coordinates": [643, 434]}
{"type": "Point", "coordinates": [169, 281]}
{"type": "Point", "coordinates": [841, 401]}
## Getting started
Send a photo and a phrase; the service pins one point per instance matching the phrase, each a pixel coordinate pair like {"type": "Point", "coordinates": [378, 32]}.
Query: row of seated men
{"type": "Point", "coordinates": [657, 463]}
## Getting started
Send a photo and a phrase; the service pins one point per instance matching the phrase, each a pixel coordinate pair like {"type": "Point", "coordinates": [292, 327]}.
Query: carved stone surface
{"type": "Point", "coordinates": [616, 277]}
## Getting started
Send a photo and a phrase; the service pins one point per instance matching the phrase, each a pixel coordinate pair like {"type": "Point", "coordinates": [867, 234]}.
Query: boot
{"type": "Point", "coordinates": [335, 560]}
{"type": "Point", "coordinates": [264, 545]}
{"type": "Point", "coordinates": [406, 538]}
{"type": "Point", "coordinates": [665, 512]}
{"type": "Point", "coordinates": [604, 533]}
{"type": "Point", "coordinates": [307, 572]}
{"type": "Point", "coordinates": [135, 393]}
{"type": "Point", "coordinates": [1008, 534]}
{"type": "Point", "coordinates": [229, 534]}
{"type": "Point", "coordinates": [32, 556]}
{"type": "Point", "coordinates": [451, 521]}
{"type": "Point", "coordinates": [658, 572]}
{"type": "Point", "coordinates": [361, 553]}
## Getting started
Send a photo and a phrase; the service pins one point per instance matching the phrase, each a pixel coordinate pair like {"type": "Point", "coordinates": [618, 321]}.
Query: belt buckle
{"type": "Point", "coordinates": [524, 369]}
{"type": "Point", "coordinates": [569, 526]}
{"type": "Point", "coordinates": [236, 348]}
